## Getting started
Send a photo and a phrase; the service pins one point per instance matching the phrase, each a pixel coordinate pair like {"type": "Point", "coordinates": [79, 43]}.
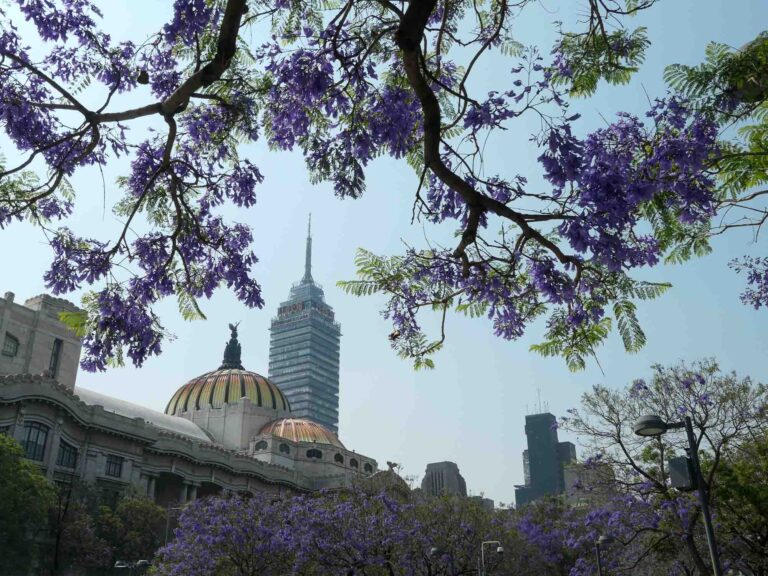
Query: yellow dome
{"type": "Point", "coordinates": [300, 430]}
{"type": "Point", "coordinates": [227, 386]}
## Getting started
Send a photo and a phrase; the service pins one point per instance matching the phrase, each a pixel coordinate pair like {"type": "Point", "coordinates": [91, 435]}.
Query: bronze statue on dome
{"type": "Point", "coordinates": [232, 351]}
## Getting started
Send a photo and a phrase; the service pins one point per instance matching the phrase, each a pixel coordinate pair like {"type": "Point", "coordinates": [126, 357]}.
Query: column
{"type": "Point", "coordinates": [53, 448]}
{"type": "Point", "coordinates": [192, 493]}
{"type": "Point", "coordinates": [18, 426]}
{"type": "Point", "coordinates": [151, 486]}
{"type": "Point", "coordinates": [183, 492]}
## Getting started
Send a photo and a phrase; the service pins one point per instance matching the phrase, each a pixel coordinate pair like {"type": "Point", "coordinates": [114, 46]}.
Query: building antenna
{"type": "Point", "coordinates": [541, 406]}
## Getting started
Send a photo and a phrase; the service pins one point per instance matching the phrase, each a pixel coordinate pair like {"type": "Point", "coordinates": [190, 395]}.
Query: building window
{"type": "Point", "coordinates": [4, 429]}
{"type": "Point", "coordinates": [284, 448]}
{"type": "Point", "coordinates": [53, 367]}
{"type": "Point", "coordinates": [114, 466]}
{"type": "Point", "coordinates": [67, 456]}
{"type": "Point", "coordinates": [339, 458]}
{"type": "Point", "coordinates": [314, 453]}
{"type": "Point", "coordinates": [10, 345]}
{"type": "Point", "coordinates": [261, 445]}
{"type": "Point", "coordinates": [368, 468]}
{"type": "Point", "coordinates": [354, 463]}
{"type": "Point", "coordinates": [35, 437]}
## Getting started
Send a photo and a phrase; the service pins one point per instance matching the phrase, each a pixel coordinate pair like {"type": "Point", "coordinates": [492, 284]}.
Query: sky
{"type": "Point", "coordinates": [471, 408]}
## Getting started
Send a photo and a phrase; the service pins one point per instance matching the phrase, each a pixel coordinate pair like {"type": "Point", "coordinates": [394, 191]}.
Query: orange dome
{"type": "Point", "coordinates": [227, 386]}
{"type": "Point", "coordinates": [300, 430]}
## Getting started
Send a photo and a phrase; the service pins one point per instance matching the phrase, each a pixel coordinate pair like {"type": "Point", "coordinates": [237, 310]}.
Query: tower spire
{"type": "Point", "coordinates": [308, 259]}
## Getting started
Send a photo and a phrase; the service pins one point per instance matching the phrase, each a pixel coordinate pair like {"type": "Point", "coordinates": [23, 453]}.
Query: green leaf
{"type": "Point", "coordinates": [77, 322]}
{"type": "Point", "coordinates": [628, 326]}
{"type": "Point", "coordinates": [188, 306]}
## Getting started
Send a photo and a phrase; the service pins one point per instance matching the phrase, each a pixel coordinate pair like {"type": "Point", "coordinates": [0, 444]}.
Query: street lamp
{"type": "Point", "coordinates": [601, 542]}
{"type": "Point", "coordinates": [499, 551]}
{"type": "Point", "coordinates": [131, 565]}
{"type": "Point", "coordinates": [654, 426]}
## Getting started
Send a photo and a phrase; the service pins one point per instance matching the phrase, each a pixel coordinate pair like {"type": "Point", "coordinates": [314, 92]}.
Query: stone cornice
{"type": "Point", "coordinates": [33, 388]}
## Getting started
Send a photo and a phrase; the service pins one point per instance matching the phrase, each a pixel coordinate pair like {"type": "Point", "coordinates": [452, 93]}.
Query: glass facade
{"type": "Point", "coordinates": [304, 351]}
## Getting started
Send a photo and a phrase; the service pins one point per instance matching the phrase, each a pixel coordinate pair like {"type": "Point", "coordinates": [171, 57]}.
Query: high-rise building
{"type": "Point", "coordinates": [545, 459]}
{"type": "Point", "coordinates": [304, 350]}
{"type": "Point", "coordinates": [443, 478]}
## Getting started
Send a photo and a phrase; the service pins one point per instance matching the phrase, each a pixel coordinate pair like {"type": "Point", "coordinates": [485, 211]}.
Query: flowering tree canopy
{"type": "Point", "coordinates": [346, 82]}
{"type": "Point", "coordinates": [728, 414]}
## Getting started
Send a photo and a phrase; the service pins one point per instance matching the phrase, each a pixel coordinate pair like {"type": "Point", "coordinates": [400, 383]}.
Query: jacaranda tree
{"type": "Point", "coordinates": [663, 524]}
{"type": "Point", "coordinates": [344, 533]}
{"type": "Point", "coordinates": [345, 82]}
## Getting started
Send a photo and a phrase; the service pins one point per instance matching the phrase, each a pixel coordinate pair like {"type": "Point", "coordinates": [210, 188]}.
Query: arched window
{"type": "Point", "coordinates": [368, 468]}
{"type": "Point", "coordinates": [314, 453]}
{"type": "Point", "coordinates": [284, 448]}
{"type": "Point", "coordinates": [261, 445]}
{"type": "Point", "coordinates": [339, 458]}
{"type": "Point", "coordinates": [10, 345]}
{"type": "Point", "coordinates": [67, 456]}
{"type": "Point", "coordinates": [35, 437]}
{"type": "Point", "coordinates": [354, 463]}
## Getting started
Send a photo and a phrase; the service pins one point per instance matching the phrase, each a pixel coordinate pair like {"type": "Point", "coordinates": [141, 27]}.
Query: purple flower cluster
{"type": "Point", "coordinates": [618, 169]}
{"type": "Point", "coordinates": [756, 268]}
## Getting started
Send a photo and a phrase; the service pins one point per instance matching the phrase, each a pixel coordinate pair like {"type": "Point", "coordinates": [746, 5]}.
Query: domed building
{"type": "Point", "coordinates": [226, 430]}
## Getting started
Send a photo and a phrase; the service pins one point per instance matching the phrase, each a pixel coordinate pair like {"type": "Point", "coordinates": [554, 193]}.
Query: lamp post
{"type": "Point", "coordinates": [499, 551]}
{"type": "Point", "coordinates": [654, 426]}
{"type": "Point", "coordinates": [168, 519]}
{"type": "Point", "coordinates": [604, 540]}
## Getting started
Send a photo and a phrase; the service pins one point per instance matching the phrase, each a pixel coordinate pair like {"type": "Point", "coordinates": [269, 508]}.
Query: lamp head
{"type": "Point", "coordinates": [121, 564]}
{"type": "Point", "coordinates": [650, 425]}
{"type": "Point", "coordinates": [605, 539]}
{"type": "Point", "coordinates": [500, 550]}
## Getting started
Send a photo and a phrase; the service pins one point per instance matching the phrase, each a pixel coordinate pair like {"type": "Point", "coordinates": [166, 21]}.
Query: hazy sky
{"type": "Point", "coordinates": [471, 408]}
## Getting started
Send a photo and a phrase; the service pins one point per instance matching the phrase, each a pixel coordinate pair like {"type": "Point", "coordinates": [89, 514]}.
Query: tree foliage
{"type": "Point", "coordinates": [25, 495]}
{"type": "Point", "coordinates": [344, 83]}
{"type": "Point", "coordinates": [728, 416]}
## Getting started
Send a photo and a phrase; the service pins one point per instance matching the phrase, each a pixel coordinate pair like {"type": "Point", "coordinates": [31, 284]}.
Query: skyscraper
{"type": "Point", "coordinates": [443, 478]}
{"type": "Point", "coordinates": [545, 459]}
{"type": "Point", "coordinates": [304, 350]}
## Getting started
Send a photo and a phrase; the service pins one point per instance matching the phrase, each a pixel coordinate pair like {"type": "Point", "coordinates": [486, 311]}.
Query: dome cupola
{"type": "Point", "coordinates": [227, 385]}
{"type": "Point", "coordinates": [301, 430]}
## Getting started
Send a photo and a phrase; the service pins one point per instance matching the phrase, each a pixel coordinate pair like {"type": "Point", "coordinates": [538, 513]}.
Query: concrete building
{"type": "Point", "coordinates": [443, 478]}
{"type": "Point", "coordinates": [486, 503]}
{"type": "Point", "coordinates": [544, 460]}
{"type": "Point", "coordinates": [34, 341]}
{"type": "Point", "coordinates": [304, 350]}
